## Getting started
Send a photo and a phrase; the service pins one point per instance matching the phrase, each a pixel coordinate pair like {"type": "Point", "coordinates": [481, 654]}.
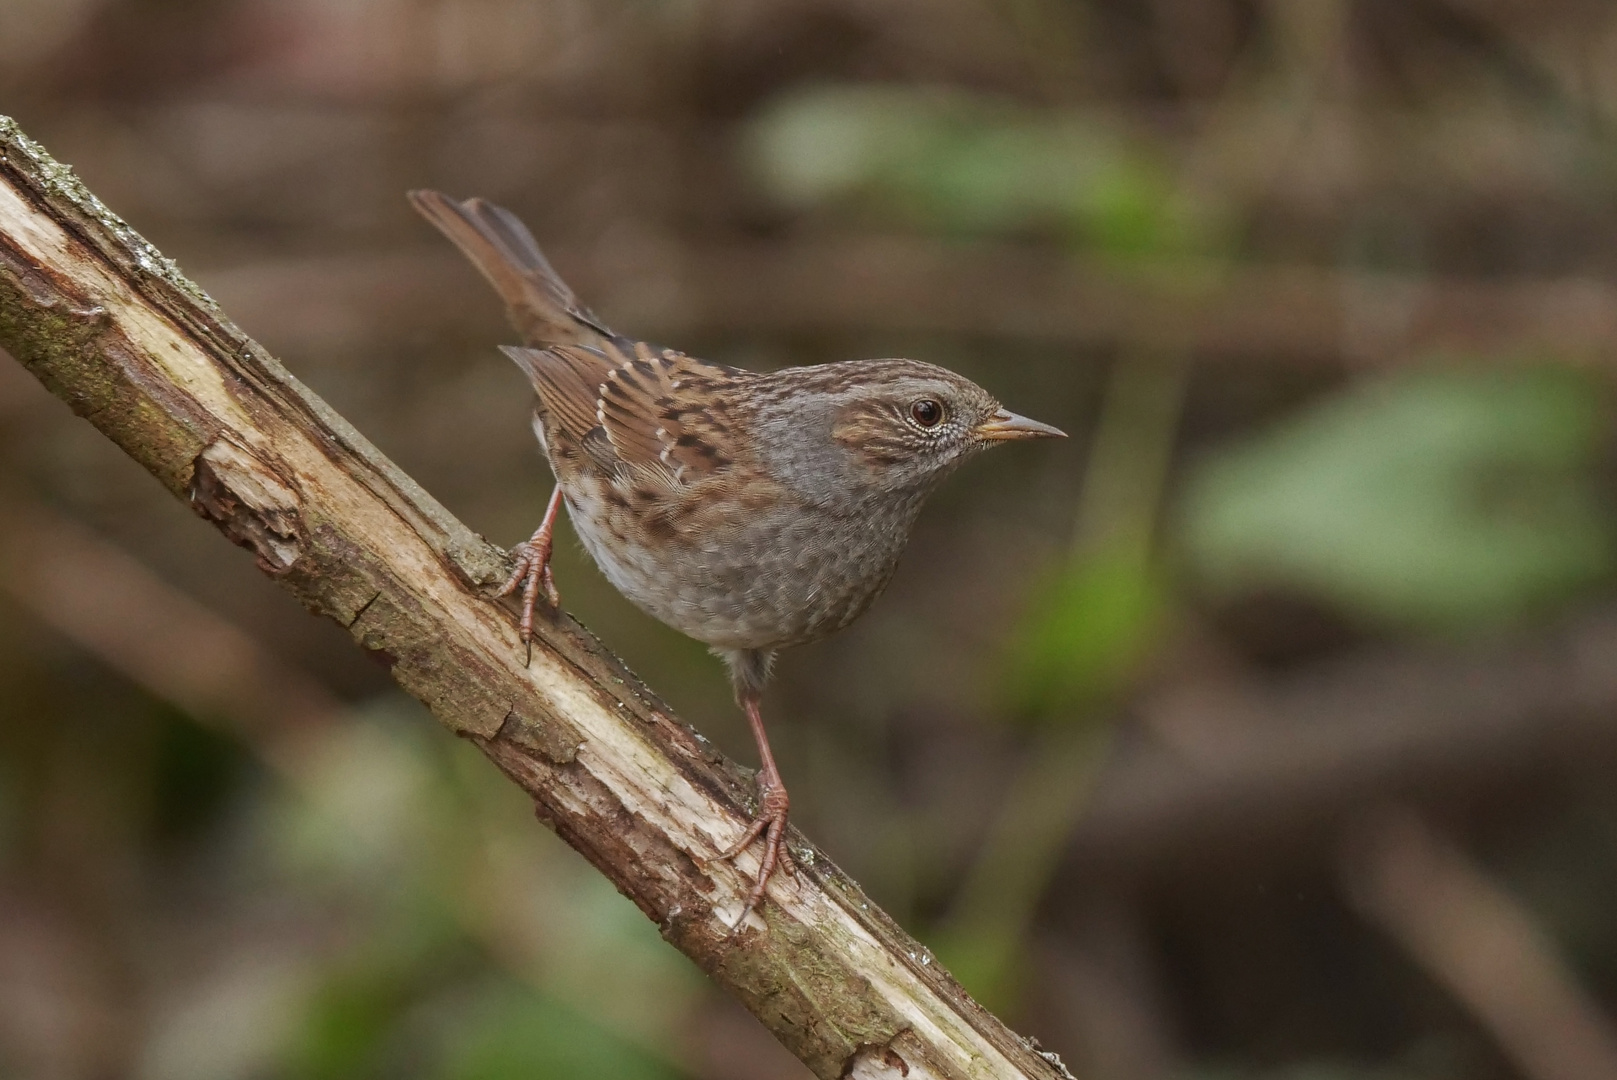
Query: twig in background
{"type": "Point", "coordinates": [1219, 312]}
{"type": "Point", "coordinates": [1474, 938]}
{"type": "Point", "coordinates": [97, 595]}
{"type": "Point", "coordinates": [1277, 758]}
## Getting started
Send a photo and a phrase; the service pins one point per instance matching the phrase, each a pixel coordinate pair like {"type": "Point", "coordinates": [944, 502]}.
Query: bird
{"type": "Point", "coordinates": [751, 511]}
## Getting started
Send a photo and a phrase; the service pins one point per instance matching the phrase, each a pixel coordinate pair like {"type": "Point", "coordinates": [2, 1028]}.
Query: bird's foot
{"type": "Point", "coordinates": [771, 825]}
{"type": "Point", "coordinates": [532, 571]}
{"type": "Point", "coordinates": [532, 574]}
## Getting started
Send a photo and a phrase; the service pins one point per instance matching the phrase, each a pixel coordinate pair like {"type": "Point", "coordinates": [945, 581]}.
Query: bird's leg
{"type": "Point", "coordinates": [772, 806]}
{"type": "Point", "coordinates": [533, 568]}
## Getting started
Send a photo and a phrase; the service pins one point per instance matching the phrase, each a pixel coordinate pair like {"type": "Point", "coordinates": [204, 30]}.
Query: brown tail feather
{"type": "Point", "coordinates": [539, 304]}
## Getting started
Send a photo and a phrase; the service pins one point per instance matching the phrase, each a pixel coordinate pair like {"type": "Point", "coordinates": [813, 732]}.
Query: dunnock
{"type": "Point", "coordinates": [749, 511]}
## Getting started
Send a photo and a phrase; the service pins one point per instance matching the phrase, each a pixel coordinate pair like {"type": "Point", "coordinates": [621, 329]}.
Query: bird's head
{"type": "Point", "coordinates": [893, 425]}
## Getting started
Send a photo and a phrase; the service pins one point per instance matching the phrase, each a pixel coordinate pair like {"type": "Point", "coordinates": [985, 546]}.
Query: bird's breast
{"type": "Point", "coordinates": [740, 575]}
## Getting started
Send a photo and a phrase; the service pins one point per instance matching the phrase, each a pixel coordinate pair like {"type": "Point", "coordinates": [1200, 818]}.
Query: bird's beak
{"type": "Point", "coordinates": [1005, 425]}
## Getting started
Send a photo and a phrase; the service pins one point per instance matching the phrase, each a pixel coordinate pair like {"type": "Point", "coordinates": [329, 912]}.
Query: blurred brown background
{"type": "Point", "coordinates": [1263, 729]}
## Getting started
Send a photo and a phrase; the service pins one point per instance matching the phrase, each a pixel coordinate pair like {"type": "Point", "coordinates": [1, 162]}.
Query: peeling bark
{"type": "Point", "coordinates": [112, 328]}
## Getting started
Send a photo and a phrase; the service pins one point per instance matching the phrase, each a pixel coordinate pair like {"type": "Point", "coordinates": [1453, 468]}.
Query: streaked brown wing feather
{"type": "Point", "coordinates": [651, 421]}
{"type": "Point", "coordinates": [568, 381]}
{"type": "Point", "coordinates": [664, 412]}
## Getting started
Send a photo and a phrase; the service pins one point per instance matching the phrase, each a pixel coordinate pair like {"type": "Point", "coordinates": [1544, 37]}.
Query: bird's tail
{"type": "Point", "coordinates": [539, 304]}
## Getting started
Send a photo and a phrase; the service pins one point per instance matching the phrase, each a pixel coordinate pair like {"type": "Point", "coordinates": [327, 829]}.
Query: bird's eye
{"type": "Point", "coordinates": [927, 412]}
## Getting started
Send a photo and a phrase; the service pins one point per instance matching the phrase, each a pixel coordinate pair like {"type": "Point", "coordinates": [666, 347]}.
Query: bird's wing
{"type": "Point", "coordinates": [653, 420]}
{"type": "Point", "coordinates": [567, 382]}
{"type": "Point", "coordinates": [665, 413]}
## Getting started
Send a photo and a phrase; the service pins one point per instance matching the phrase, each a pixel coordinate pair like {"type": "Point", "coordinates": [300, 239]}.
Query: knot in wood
{"type": "Point", "coordinates": [249, 502]}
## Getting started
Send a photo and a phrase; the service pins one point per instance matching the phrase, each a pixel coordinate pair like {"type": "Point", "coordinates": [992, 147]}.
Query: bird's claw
{"type": "Point", "coordinates": [770, 823]}
{"type": "Point", "coordinates": [532, 574]}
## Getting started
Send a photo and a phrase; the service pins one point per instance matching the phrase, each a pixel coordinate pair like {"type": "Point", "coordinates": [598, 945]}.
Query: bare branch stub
{"type": "Point", "coordinates": [111, 327]}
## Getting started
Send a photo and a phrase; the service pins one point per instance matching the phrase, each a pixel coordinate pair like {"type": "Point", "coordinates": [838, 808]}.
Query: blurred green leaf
{"type": "Point", "coordinates": [1441, 499]}
{"type": "Point", "coordinates": [1089, 627]}
{"type": "Point", "coordinates": [956, 162]}
{"type": "Point", "coordinates": [347, 1021]}
{"type": "Point", "coordinates": [990, 962]}
{"type": "Point", "coordinates": [373, 797]}
{"type": "Point", "coordinates": [983, 938]}
{"type": "Point", "coordinates": [353, 1018]}
{"type": "Point", "coordinates": [512, 1033]}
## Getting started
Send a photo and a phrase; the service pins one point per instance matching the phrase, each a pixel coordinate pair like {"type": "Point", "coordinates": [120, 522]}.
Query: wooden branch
{"type": "Point", "coordinates": [110, 326]}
